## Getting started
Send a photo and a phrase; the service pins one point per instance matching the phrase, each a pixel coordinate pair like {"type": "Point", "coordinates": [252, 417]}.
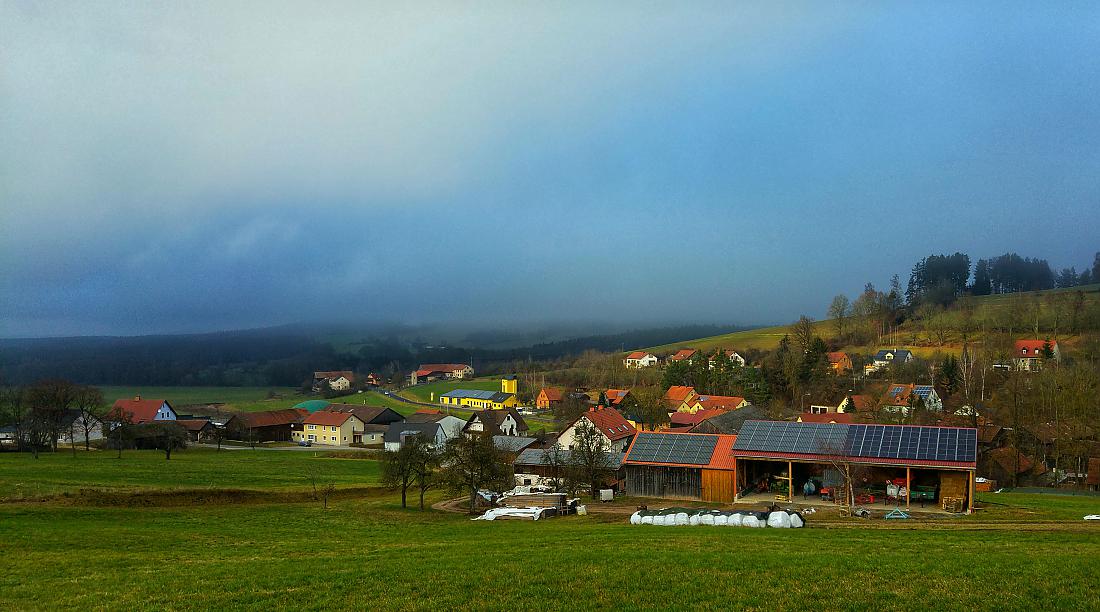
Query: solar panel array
{"type": "Point", "coordinates": [781, 437]}
{"type": "Point", "coordinates": [907, 442]}
{"type": "Point", "coordinates": [673, 448]}
{"type": "Point", "coordinates": [868, 441]}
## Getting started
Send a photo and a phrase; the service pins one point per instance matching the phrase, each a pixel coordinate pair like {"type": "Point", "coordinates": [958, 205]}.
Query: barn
{"type": "Point", "coordinates": [884, 463]}
{"type": "Point", "coordinates": [681, 466]}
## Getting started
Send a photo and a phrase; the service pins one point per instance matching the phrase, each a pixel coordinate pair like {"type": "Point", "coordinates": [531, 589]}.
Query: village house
{"type": "Point", "coordinates": [72, 427]}
{"type": "Point", "coordinates": [451, 425]}
{"type": "Point", "coordinates": [729, 422]}
{"type": "Point", "coordinates": [683, 421]}
{"type": "Point", "coordinates": [682, 466]}
{"type": "Point", "coordinates": [826, 417]}
{"type": "Point", "coordinates": [375, 380]}
{"type": "Point", "coordinates": [398, 433]}
{"type": "Point", "coordinates": [198, 430]}
{"type": "Point", "coordinates": [713, 402]}
{"type": "Point", "coordinates": [885, 357]}
{"type": "Point", "coordinates": [338, 380]}
{"type": "Point", "coordinates": [729, 355]}
{"type": "Point", "coordinates": [428, 372]}
{"type": "Point", "coordinates": [687, 355]}
{"type": "Point", "coordinates": [615, 430]}
{"type": "Point", "coordinates": [331, 428]}
{"type": "Point", "coordinates": [901, 397]}
{"type": "Point", "coordinates": [617, 398]}
{"type": "Point", "coordinates": [640, 359]}
{"type": "Point", "coordinates": [822, 409]}
{"type": "Point", "coordinates": [368, 415]}
{"type": "Point", "coordinates": [857, 403]}
{"type": "Point", "coordinates": [266, 425]}
{"type": "Point", "coordinates": [548, 398]}
{"type": "Point", "coordinates": [675, 396]}
{"type": "Point", "coordinates": [1029, 355]}
{"type": "Point", "coordinates": [505, 422]}
{"type": "Point", "coordinates": [137, 411]}
{"type": "Point", "coordinates": [840, 362]}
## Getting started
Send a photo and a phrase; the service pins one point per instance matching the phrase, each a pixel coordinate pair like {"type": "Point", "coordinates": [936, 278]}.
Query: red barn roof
{"type": "Point", "coordinates": [139, 410]}
{"type": "Point", "coordinates": [327, 417]}
{"type": "Point", "coordinates": [610, 423]}
{"type": "Point", "coordinates": [1032, 348]}
{"type": "Point", "coordinates": [272, 418]}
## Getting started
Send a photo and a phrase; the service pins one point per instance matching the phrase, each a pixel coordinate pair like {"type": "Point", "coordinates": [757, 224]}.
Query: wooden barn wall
{"type": "Point", "coordinates": [659, 481]}
{"type": "Point", "coordinates": [718, 485]}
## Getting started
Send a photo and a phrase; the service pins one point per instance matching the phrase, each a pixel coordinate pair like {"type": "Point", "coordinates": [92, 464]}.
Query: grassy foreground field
{"type": "Point", "coordinates": [369, 554]}
{"type": "Point", "coordinates": [22, 476]}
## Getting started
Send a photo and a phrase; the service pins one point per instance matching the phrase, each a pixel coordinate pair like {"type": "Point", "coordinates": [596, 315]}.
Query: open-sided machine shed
{"type": "Point", "coordinates": [936, 462]}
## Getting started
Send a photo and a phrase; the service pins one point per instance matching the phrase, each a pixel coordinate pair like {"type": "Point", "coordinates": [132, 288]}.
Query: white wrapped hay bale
{"type": "Point", "coordinates": [681, 518]}
{"type": "Point", "coordinates": [779, 520]}
{"type": "Point", "coordinates": [734, 520]}
{"type": "Point", "coordinates": [647, 520]}
{"type": "Point", "coordinates": [706, 519]}
{"type": "Point", "coordinates": [720, 520]}
{"type": "Point", "coordinates": [636, 518]}
{"type": "Point", "coordinates": [796, 521]}
{"type": "Point", "coordinates": [693, 520]}
{"type": "Point", "coordinates": [751, 521]}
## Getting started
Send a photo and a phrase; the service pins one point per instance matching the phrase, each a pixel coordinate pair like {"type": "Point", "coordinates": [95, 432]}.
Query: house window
{"type": "Point", "coordinates": [312, 437]}
{"type": "Point", "coordinates": [312, 427]}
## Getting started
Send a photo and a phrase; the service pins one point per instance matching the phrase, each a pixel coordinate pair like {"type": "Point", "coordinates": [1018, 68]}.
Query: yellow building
{"type": "Point", "coordinates": [484, 400]}
{"type": "Point", "coordinates": [712, 402]}
{"type": "Point", "coordinates": [330, 428]}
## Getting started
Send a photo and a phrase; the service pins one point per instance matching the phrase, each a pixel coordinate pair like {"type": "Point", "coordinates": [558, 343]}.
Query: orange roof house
{"type": "Point", "coordinates": [610, 423]}
{"type": "Point", "coordinates": [840, 362]}
{"type": "Point", "coordinates": [716, 402]}
{"type": "Point", "coordinates": [549, 397]}
{"type": "Point", "coordinates": [138, 410]}
{"type": "Point", "coordinates": [677, 395]}
{"type": "Point", "coordinates": [684, 354]}
{"type": "Point", "coordinates": [615, 397]}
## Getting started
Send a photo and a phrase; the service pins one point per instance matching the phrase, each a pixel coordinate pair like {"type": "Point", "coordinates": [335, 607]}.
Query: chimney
{"type": "Point", "coordinates": [137, 398]}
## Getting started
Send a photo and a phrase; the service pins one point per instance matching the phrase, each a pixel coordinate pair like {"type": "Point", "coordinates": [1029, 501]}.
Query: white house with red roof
{"type": "Point", "coordinates": [138, 410]}
{"type": "Point", "coordinates": [688, 354]}
{"type": "Point", "coordinates": [729, 355]}
{"type": "Point", "coordinates": [1029, 354]}
{"type": "Point", "coordinates": [640, 359]}
{"type": "Point", "coordinates": [331, 428]}
{"type": "Point", "coordinates": [617, 432]}
{"type": "Point", "coordinates": [434, 371]}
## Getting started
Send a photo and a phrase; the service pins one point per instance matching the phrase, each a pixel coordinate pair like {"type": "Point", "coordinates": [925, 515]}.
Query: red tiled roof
{"type": "Point", "coordinates": [194, 424]}
{"type": "Point", "coordinates": [687, 419]}
{"type": "Point", "coordinates": [327, 417]}
{"type": "Point", "coordinates": [683, 354]}
{"type": "Point", "coordinates": [552, 394]}
{"type": "Point", "coordinates": [1032, 348]}
{"type": "Point", "coordinates": [836, 357]}
{"type": "Point", "coordinates": [834, 417]}
{"type": "Point", "coordinates": [273, 418]}
{"type": "Point", "coordinates": [430, 368]}
{"type": "Point", "coordinates": [427, 411]}
{"type": "Point", "coordinates": [1005, 458]}
{"type": "Point", "coordinates": [637, 355]}
{"type": "Point", "coordinates": [348, 374]}
{"type": "Point", "coordinates": [139, 410]}
{"type": "Point", "coordinates": [678, 394]}
{"type": "Point", "coordinates": [610, 423]}
{"type": "Point", "coordinates": [616, 396]}
{"type": "Point", "coordinates": [988, 433]}
{"type": "Point", "coordinates": [720, 402]}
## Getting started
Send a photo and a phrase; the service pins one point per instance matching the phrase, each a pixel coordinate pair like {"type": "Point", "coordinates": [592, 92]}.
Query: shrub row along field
{"type": "Point", "coordinates": [369, 554]}
{"type": "Point", "coordinates": [22, 476]}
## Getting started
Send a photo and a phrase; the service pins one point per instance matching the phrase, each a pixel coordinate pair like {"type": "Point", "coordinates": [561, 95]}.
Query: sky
{"type": "Point", "coordinates": [189, 166]}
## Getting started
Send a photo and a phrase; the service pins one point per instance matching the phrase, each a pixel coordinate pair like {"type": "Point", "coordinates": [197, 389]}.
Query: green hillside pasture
{"type": "Point", "coordinates": [22, 476]}
{"type": "Point", "coordinates": [764, 338]}
{"type": "Point", "coordinates": [366, 553]}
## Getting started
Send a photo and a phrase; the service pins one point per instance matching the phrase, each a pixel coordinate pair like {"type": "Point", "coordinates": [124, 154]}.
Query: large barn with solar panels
{"type": "Point", "coordinates": [777, 460]}
{"type": "Point", "coordinates": [902, 462]}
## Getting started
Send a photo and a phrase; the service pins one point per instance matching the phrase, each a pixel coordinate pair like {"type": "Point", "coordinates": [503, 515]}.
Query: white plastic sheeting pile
{"type": "Point", "coordinates": [532, 513]}
{"type": "Point", "coordinates": [718, 518]}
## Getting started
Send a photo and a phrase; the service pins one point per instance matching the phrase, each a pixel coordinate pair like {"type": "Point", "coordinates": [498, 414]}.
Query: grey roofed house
{"type": "Point", "coordinates": [397, 432]}
{"type": "Point", "coordinates": [901, 355]}
{"type": "Point", "coordinates": [730, 422]}
{"type": "Point", "coordinates": [538, 456]}
{"type": "Point", "coordinates": [513, 444]}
